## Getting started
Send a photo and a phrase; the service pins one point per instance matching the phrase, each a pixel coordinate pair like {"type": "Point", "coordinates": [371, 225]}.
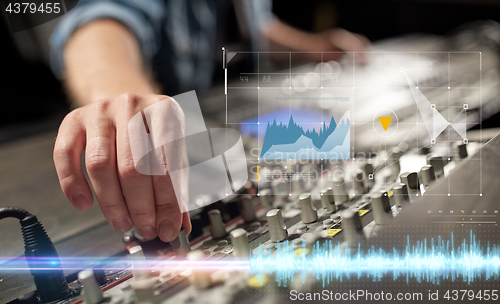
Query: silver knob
{"type": "Point", "coordinates": [247, 209]}
{"type": "Point", "coordinates": [266, 199]}
{"type": "Point", "coordinates": [368, 170]}
{"type": "Point", "coordinates": [217, 227]}
{"type": "Point", "coordinates": [460, 151]}
{"type": "Point", "coordinates": [427, 175]}
{"type": "Point", "coordinates": [437, 163]}
{"type": "Point", "coordinates": [339, 191]}
{"type": "Point", "coordinates": [410, 179]}
{"type": "Point", "coordinates": [280, 191]}
{"type": "Point", "coordinates": [200, 278]}
{"type": "Point", "coordinates": [327, 200]}
{"type": "Point", "coordinates": [382, 212]}
{"type": "Point", "coordinates": [139, 269]}
{"type": "Point", "coordinates": [181, 243]}
{"type": "Point", "coordinates": [240, 243]}
{"type": "Point", "coordinates": [92, 293]}
{"type": "Point", "coordinates": [359, 187]}
{"type": "Point", "coordinates": [401, 197]}
{"type": "Point", "coordinates": [277, 227]}
{"type": "Point", "coordinates": [308, 213]}
{"type": "Point", "coordinates": [352, 227]}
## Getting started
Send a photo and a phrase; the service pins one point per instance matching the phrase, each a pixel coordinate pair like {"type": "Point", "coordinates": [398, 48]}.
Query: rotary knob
{"type": "Point", "coordinates": [266, 199]}
{"type": "Point", "coordinates": [240, 243]}
{"type": "Point", "coordinates": [308, 213]}
{"type": "Point", "coordinates": [401, 197]}
{"type": "Point", "coordinates": [427, 176]}
{"type": "Point", "coordinates": [92, 293]}
{"type": "Point", "coordinates": [410, 179]}
{"type": "Point", "coordinates": [339, 191]}
{"type": "Point", "coordinates": [359, 187]}
{"type": "Point", "coordinates": [382, 212]}
{"type": "Point", "coordinates": [140, 270]}
{"type": "Point", "coordinates": [437, 163]}
{"type": "Point", "coordinates": [181, 243]}
{"type": "Point", "coordinates": [327, 200]}
{"type": "Point", "coordinates": [352, 227]}
{"type": "Point", "coordinates": [277, 227]}
{"type": "Point", "coordinates": [200, 278]}
{"type": "Point", "coordinates": [217, 227]}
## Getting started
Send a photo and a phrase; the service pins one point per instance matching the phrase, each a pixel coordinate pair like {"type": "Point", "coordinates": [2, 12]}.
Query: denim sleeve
{"type": "Point", "coordinates": [143, 18]}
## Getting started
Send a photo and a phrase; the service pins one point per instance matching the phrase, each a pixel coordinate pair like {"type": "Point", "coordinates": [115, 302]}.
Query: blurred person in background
{"type": "Point", "coordinates": [117, 58]}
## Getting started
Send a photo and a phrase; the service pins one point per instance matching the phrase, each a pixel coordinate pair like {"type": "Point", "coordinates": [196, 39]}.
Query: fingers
{"type": "Point", "coordinates": [168, 214]}
{"type": "Point", "coordinates": [186, 222]}
{"type": "Point", "coordinates": [137, 188]}
{"type": "Point", "coordinates": [100, 160]}
{"type": "Point", "coordinates": [68, 148]}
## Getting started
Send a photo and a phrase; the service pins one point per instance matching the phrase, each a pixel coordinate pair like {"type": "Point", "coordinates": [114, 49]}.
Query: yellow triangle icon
{"type": "Point", "coordinates": [385, 121]}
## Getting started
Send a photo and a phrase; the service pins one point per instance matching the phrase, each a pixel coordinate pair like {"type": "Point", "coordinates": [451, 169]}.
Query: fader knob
{"type": "Point", "coordinates": [247, 209]}
{"type": "Point", "coordinates": [339, 191]}
{"type": "Point", "coordinates": [92, 293]}
{"type": "Point", "coordinates": [277, 227]}
{"type": "Point", "coordinates": [427, 175]}
{"type": "Point", "coordinates": [240, 243]}
{"type": "Point", "coordinates": [181, 243]}
{"type": "Point", "coordinates": [139, 268]}
{"type": "Point", "coordinates": [266, 199]}
{"type": "Point", "coordinates": [308, 213]}
{"type": "Point", "coordinates": [352, 227]}
{"type": "Point", "coordinates": [217, 227]}
{"type": "Point", "coordinates": [437, 163]}
{"type": "Point", "coordinates": [382, 212]}
{"type": "Point", "coordinates": [368, 170]}
{"type": "Point", "coordinates": [200, 278]}
{"type": "Point", "coordinates": [410, 179]}
{"type": "Point", "coordinates": [327, 200]}
{"type": "Point", "coordinates": [401, 197]}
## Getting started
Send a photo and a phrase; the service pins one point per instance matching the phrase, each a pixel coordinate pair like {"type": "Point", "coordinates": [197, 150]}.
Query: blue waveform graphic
{"type": "Point", "coordinates": [292, 142]}
{"type": "Point", "coordinates": [430, 262]}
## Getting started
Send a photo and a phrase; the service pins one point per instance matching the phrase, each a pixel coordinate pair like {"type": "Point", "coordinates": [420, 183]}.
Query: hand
{"type": "Point", "coordinates": [126, 197]}
{"type": "Point", "coordinates": [340, 40]}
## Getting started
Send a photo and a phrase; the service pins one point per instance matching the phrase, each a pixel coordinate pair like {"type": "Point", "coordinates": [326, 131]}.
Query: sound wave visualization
{"type": "Point", "coordinates": [424, 261]}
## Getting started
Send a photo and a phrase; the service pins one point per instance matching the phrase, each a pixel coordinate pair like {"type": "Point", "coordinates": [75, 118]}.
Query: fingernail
{"type": "Point", "coordinates": [167, 231]}
{"type": "Point", "coordinates": [122, 225]}
{"type": "Point", "coordinates": [80, 201]}
{"type": "Point", "coordinates": [148, 232]}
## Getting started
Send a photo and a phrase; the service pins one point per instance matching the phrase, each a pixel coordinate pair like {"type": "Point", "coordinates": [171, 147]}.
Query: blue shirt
{"type": "Point", "coordinates": [178, 38]}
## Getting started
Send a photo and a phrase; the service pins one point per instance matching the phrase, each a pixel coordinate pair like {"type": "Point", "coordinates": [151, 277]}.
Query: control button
{"type": "Point", "coordinates": [145, 292]}
{"type": "Point", "coordinates": [92, 293]}
{"type": "Point", "coordinates": [222, 243]}
{"type": "Point", "coordinates": [200, 277]}
{"type": "Point", "coordinates": [247, 209]}
{"type": "Point", "coordinates": [297, 243]}
{"type": "Point", "coordinates": [277, 227]}
{"type": "Point", "coordinates": [181, 243]}
{"type": "Point", "coordinates": [460, 151]}
{"type": "Point", "coordinates": [308, 212]}
{"type": "Point", "coordinates": [339, 191]}
{"type": "Point", "coordinates": [410, 179]}
{"type": "Point", "coordinates": [266, 199]}
{"type": "Point", "coordinates": [139, 270]}
{"type": "Point", "coordinates": [217, 227]}
{"type": "Point", "coordinates": [240, 243]}
{"type": "Point", "coordinates": [335, 217]}
{"type": "Point", "coordinates": [353, 229]}
{"type": "Point", "coordinates": [401, 197]}
{"type": "Point", "coordinates": [359, 186]}
{"type": "Point", "coordinates": [427, 175]}
{"type": "Point", "coordinates": [437, 163]}
{"type": "Point", "coordinates": [382, 212]}
{"type": "Point", "coordinates": [368, 170]}
{"type": "Point", "coordinates": [327, 200]}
